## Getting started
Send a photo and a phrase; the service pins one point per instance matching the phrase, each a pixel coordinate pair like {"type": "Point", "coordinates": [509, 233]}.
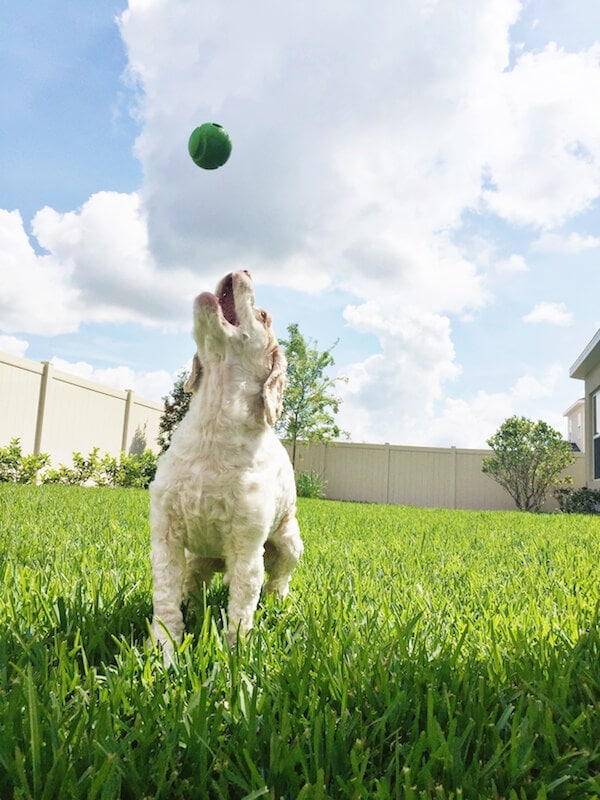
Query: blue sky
{"type": "Point", "coordinates": [417, 180]}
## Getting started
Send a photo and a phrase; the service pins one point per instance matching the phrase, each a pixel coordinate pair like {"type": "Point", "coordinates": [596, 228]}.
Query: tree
{"type": "Point", "coordinates": [308, 403]}
{"type": "Point", "coordinates": [528, 459]}
{"type": "Point", "coordinates": [176, 406]}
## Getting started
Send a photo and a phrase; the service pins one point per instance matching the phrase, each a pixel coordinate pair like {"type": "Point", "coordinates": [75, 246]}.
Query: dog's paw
{"type": "Point", "coordinates": [167, 649]}
{"type": "Point", "coordinates": [161, 640]}
{"type": "Point", "coordinates": [278, 588]}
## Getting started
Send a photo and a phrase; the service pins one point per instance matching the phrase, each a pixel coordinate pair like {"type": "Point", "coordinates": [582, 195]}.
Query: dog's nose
{"type": "Point", "coordinates": [245, 271]}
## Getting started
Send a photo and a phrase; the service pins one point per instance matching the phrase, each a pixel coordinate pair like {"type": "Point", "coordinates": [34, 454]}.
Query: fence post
{"type": "Point", "coordinates": [39, 422]}
{"type": "Point", "coordinates": [126, 417]}
{"type": "Point", "coordinates": [387, 472]}
{"type": "Point", "coordinates": [453, 473]}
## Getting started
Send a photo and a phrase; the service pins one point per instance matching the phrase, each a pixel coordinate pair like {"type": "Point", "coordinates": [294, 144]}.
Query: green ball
{"type": "Point", "coordinates": [209, 145]}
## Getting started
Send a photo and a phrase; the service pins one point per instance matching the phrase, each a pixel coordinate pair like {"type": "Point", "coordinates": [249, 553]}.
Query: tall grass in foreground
{"type": "Point", "coordinates": [421, 654]}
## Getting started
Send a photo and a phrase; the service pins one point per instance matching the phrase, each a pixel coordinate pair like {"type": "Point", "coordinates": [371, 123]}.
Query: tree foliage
{"type": "Point", "coordinates": [176, 403]}
{"type": "Point", "coordinates": [309, 404]}
{"type": "Point", "coordinates": [18, 468]}
{"type": "Point", "coordinates": [528, 459]}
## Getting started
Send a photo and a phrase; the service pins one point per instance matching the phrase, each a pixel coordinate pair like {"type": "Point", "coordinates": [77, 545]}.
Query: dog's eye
{"type": "Point", "coordinates": [263, 315]}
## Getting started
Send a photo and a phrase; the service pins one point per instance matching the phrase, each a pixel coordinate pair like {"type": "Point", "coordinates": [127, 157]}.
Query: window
{"type": "Point", "coordinates": [596, 433]}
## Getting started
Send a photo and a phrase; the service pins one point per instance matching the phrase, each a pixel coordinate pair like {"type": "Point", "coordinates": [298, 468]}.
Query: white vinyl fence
{"type": "Point", "coordinates": [56, 413]}
{"type": "Point", "coordinates": [416, 476]}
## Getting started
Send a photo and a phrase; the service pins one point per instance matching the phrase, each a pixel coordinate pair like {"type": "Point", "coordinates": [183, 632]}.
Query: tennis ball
{"type": "Point", "coordinates": [209, 145]}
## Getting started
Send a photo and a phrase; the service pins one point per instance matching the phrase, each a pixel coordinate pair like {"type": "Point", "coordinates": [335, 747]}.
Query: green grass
{"type": "Point", "coordinates": [421, 654]}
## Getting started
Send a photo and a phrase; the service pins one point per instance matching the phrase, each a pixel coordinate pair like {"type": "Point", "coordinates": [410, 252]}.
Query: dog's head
{"type": "Point", "coordinates": [228, 328]}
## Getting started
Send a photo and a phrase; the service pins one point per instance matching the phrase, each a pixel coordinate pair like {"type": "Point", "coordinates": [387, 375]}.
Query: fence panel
{"type": "Point", "coordinates": [474, 489]}
{"type": "Point", "coordinates": [421, 476]}
{"type": "Point", "coordinates": [358, 471]}
{"type": "Point", "coordinates": [77, 412]}
{"type": "Point", "coordinates": [20, 382]}
{"type": "Point", "coordinates": [143, 426]}
{"type": "Point", "coordinates": [57, 413]}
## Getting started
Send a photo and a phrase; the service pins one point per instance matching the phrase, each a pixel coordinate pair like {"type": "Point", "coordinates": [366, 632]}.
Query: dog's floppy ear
{"type": "Point", "coordinates": [192, 383]}
{"type": "Point", "coordinates": [274, 387]}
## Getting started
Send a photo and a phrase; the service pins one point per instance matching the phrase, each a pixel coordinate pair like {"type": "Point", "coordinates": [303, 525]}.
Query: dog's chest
{"type": "Point", "coordinates": [224, 510]}
{"type": "Point", "coordinates": [209, 523]}
{"type": "Point", "coordinates": [233, 496]}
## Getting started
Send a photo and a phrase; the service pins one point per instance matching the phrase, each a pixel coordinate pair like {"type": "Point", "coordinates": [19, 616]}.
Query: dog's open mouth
{"type": "Point", "coordinates": [227, 300]}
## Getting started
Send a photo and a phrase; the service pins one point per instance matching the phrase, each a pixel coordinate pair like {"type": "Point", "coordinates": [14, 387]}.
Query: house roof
{"type": "Point", "coordinates": [589, 359]}
{"type": "Point", "coordinates": [576, 405]}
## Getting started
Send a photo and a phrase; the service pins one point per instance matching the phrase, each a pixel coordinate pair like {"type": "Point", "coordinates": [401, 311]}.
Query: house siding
{"type": "Point", "coordinates": [592, 385]}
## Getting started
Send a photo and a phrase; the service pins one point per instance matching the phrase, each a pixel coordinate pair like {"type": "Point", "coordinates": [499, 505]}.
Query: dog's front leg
{"type": "Point", "coordinates": [282, 551]}
{"type": "Point", "coordinates": [245, 573]}
{"type": "Point", "coordinates": [168, 572]}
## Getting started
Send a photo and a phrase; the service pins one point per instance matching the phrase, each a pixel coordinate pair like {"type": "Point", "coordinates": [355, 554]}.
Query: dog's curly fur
{"type": "Point", "coordinates": [224, 497]}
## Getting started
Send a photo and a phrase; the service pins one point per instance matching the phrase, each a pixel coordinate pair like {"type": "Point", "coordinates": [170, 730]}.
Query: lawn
{"type": "Point", "coordinates": [421, 654]}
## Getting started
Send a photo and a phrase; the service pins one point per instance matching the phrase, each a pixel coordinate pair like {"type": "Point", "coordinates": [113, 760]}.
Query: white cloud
{"type": "Point", "coordinates": [13, 345]}
{"type": "Point", "coordinates": [552, 313]}
{"type": "Point", "coordinates": [37, 294]}
{"type": "Point", "coordinates": [544, 145]}
{"type": "Point", "coordinates": [514, 263]}
{"type": "Point", "coordinates": [339, 163]}
{"type": "Point", "coordinates": [390, 392]}
{"type": "Point", "coordinates": [96, 268]}
{"type": "Point", "coordinates": [149, 385]}
{"type": "Point", "coordinates": [572, 244]}
{"type": "Point", "coordinates": [470, 422]}
{"type": "Point", "coordinates": [461, 422]}
{"type": "Point", "coordinates": [529, 388]}
{"type": "Point", "coordinates": [113, 271]}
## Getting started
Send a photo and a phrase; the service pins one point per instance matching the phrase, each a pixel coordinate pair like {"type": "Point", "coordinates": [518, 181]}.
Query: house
{"type": "Point", "coordinates": [587, 368]}
{"type": "Point", "coordinates": [575, 415]}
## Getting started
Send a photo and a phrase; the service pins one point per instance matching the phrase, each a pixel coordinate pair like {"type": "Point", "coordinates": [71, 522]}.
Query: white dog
{"type": "Point", "coordinates": [224, 497]}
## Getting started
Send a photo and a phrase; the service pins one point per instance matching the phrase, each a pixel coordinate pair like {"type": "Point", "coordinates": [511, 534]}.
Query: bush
{"type": "Point", "coordinates": [528, 460]}
{"type": "Point", "coordinates": [133, 471]}
{"type": "Point", "coordinates": [17, 468]}
{"type": "Point", "coordinates": [578, 501]}
{"type": "Point", "coordinates": [310, 484]}
{"type": "Point", "coordinates": [84, 471]}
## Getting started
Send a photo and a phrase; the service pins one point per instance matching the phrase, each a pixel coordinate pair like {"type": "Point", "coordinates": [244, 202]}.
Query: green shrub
{"type": "Point", "coordinates": [133, 471]}
{"type": "Point", "coordinates": [17, 468]}
{"type": "Point", "coordinates": [84, 470]}
{"type": "Point", "coordinates": [528, 459]}
{"type": "Point", "coordinates": [578, 501]}
{"type": "Point", "coordinates": [310, 484]}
